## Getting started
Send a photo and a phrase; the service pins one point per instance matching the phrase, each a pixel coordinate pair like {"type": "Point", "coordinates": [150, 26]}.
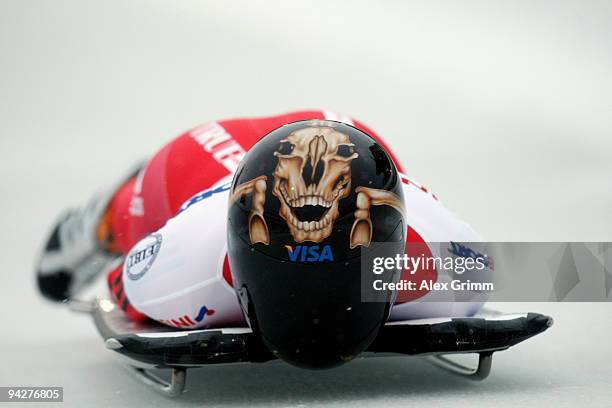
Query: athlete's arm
{"type": "Point", "coordinates": [429, 221]}
{"type": "Point", "coordinates": [179, 275]}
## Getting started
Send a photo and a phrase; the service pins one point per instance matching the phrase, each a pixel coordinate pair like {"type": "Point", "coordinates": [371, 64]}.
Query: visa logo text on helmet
{"type": "Point", "coordinates": [313, 253]}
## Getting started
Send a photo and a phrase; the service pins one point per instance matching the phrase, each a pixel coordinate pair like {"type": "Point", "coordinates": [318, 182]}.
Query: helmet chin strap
{"type": "Point", "coordinates": [361, 232]}
{"type": "Point", "coordinates": [258, 229]}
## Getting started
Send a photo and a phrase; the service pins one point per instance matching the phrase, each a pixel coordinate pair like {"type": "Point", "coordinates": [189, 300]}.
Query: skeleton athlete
{"type": "Point", "coordinates": [168, 220]}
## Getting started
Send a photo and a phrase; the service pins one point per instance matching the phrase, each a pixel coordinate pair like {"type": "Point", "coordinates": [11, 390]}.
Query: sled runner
{"type": "Point", "coordinates": [152, 345]}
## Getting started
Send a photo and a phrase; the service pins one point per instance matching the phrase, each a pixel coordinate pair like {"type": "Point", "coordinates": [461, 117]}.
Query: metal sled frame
{"type": "Point", "coordinates": [151, 345]}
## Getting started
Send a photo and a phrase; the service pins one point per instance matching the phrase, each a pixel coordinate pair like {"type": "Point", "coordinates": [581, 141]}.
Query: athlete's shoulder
{"type": "Point", "coordinates": [184, 261]}
{"type": "Point", "coordinates": [430, 218]}
{"type": "Point", "coordinates": [220, 189]}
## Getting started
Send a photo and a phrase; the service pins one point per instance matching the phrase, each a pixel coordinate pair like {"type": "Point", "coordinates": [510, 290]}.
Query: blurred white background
{"type": "Point", "coordinates": [501, 108]}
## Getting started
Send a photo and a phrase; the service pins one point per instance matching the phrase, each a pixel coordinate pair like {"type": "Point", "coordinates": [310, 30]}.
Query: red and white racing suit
{"type": "Point", "coordinates": [170, 222]}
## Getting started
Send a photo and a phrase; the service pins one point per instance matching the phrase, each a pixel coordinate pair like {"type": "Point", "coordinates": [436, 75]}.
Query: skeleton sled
{"type": "Point", "coordinates": [147, 346]}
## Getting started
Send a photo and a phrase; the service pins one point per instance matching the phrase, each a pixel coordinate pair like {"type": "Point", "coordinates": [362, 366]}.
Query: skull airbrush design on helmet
{"type": "Point", "coordinates": [312, 175]}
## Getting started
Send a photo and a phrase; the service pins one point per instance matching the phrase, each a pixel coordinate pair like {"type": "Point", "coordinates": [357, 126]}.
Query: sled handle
{"type": "Point", "coordinates": [482, 371]}
{"type": "Point", "coordinates": [171, 389]}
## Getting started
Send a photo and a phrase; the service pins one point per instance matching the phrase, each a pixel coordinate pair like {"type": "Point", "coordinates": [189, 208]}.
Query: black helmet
{"type": "Point", "coordinates": [306, 200]}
